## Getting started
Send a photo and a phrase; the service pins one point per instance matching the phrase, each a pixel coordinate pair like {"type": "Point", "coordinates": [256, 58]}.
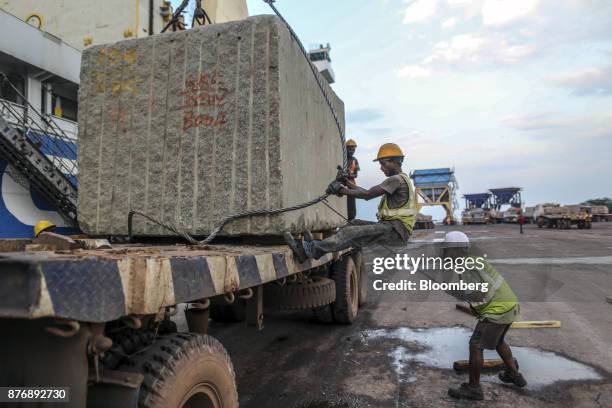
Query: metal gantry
{"type": "Point", "coordinates": [436, 187]}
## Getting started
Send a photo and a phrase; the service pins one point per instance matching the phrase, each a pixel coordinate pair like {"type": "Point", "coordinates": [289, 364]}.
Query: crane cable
{"type": "Point", "coordinates": [251, 213]}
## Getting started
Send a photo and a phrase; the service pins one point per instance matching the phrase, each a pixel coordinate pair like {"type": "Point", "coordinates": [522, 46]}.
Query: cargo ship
{"type": "Point", "coordinates": [39, 78]}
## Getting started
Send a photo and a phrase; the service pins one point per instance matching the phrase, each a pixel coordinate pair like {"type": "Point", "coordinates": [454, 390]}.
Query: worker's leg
{"type": "Point", "coordinates": [506, 354]}
{"type": "Point", "coordinates": [486, 336]}
{"type": "Point", "coordinates": [511, 374]}
{"type": "Point", "coordinates": [352, 236]}
{"type": "Point", "coordinates": [476, 362]}
{"type": "Point", "coordinates": [352, 208]}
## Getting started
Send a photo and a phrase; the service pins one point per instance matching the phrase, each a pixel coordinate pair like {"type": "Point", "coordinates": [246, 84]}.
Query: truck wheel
{"type": "Point", "coordinates": [184, 370]}
{"type": "Point", "coordinates": [344, 273]}
{"type": "Point", "coordinates": [315, 292]}
{"type": "Point", "coordinates": [362, 274]}
{"type": "Point", "coordinates": [232, 313]}
{"type": "Point", "coordinates": [540, 222]}
{"type": "Point", "coordinates": [589, 225]}
{"type": "Point", "coordinates": [125, 344]}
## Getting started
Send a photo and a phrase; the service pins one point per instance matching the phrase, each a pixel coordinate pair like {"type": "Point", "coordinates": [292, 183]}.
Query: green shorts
{"type": "Point", "coordinates": [488, 335]}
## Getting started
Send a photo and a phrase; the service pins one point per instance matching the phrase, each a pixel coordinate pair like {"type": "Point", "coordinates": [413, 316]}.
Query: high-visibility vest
{"type": "Point", "coordinates": [500, 304]}
{"type": "Point", "coordinates": [353, 169]}
{"type": "Point", "coordinates": [406, 213]}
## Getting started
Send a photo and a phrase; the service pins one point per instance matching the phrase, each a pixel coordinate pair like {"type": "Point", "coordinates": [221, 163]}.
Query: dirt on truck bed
{"type": "Point", "coordinates": [104, 284]}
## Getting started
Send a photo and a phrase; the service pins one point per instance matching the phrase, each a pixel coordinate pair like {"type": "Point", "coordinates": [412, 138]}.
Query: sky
{"type": "Point", "coordinates": [508, 93]}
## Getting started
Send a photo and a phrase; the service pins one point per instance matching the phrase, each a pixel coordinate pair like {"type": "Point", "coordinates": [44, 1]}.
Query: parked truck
{"type": "Point", "coordinates": [99, 320]}
{"type": "Point", "coordinates": [424, 222]}
{"type": "Point", "coordinates": [600, 213]}
{"type": "Point", "coordinates": [580, 216]}
{"type": "Point", "coordinates": [474, 216]}
{"type": "Point", "coordinates": [528, 214]}
{"type": "Point", "coordinates": [511, 215]}
{"type": "Point", "coordinates": [96, 316]}
{"type": "Point", "coordinates": [552, 215]}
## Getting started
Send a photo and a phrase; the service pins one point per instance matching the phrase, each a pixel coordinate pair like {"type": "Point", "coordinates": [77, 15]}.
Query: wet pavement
{"type": "Point", "coordinates": [400, 350]}
{"type": "Point", "coordinates": [440, 347]}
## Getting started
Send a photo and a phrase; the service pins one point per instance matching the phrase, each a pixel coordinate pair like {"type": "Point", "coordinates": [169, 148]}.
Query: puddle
{"type": "Point", "coordinates": [444, 345]}
{"type": "Point", "coordinates": [590, 260]}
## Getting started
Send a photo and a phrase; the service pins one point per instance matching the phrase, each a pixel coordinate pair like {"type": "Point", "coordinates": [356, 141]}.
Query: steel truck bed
{"type": "Point", "coordinates": [104, 284]}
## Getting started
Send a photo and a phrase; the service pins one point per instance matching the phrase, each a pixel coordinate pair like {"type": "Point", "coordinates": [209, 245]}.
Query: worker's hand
{"type": "Point", "coordinates": [334, 188]}
{"type": "Point", "coordinates": [342, 175]}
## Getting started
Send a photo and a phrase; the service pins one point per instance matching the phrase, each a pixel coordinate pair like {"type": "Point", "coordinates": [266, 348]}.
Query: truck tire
{"type": "Point", "coordinates": [183, 370]}
{"type": "Point", "coordinates": [344, 273]}
{"type": "Point", "coordinates": [232, 313]}
{"type": "Point", "coordinates": [362, 275]}
{"type": "Point", "coordinates": [125, 344]}
{"type": "Point", "coordinates": [315, 292]}
{"type": "Point", "coordinates": [540, 222]}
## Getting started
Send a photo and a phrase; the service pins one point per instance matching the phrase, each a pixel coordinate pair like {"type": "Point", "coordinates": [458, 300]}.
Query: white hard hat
{"type": "Point", "coordinates": [456, 239]}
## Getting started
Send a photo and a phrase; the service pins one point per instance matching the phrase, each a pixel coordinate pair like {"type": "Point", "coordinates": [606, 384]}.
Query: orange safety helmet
{"type": "Point", "coordinates": [351, 143]}
{"type": "Point", "coordinates": [389, 150]}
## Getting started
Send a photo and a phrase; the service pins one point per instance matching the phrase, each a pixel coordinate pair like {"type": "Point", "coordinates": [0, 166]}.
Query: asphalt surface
{"type": "Point", "coordinates": [297, 362]}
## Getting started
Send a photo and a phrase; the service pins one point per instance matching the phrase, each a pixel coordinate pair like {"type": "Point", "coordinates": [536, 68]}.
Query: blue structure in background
{"type": "Point", "coordinates": [21, 208]}
{"type": "Point", "coordinates": [482, 200]}
{"type": "Point", "coordinates": [508, 195]}
{"type": "Point", "coordinates": [436, 187]}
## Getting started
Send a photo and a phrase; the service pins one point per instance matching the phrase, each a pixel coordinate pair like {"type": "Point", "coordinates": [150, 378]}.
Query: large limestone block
{"type": "Point", "coordinates": [190, 127]}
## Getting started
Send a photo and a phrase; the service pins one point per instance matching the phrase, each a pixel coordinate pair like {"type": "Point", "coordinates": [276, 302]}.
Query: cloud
{"type": "Point", "coordinates": [364, 115]}
{"type": "Point", "coordinates": [474, 49]}
{"type": "Point", "coordinates": [542, 121]}
{"type": "Point", "coordinates": [592, 81]}
{"type": "Point", "coordinates": [560, 125]}
{"type": "Point", "coordinates": [449, 23]}
{"type": "Point", "coordinates": [501, 12]}
{"type": "Point", "coordinates": [413, 71]}
{"type": "Point", "coordinates": [419, 11]}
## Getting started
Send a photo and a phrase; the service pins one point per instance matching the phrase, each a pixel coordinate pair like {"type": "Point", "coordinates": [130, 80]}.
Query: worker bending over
{"type": "Point", "coordinates": [495, 310]}
{"type": "Point", "coordinates": [396, 211]}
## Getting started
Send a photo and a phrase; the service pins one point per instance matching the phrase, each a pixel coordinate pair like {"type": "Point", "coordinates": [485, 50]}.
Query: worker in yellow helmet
{"type": "Point", "coordinates": [42, 226]}
{"type": "Point", "coordinates": [353, 169]}
{"type": "Point", "coordinates": [396, 211]}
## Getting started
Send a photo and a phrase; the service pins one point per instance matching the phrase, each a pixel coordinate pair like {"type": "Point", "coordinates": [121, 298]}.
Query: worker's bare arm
{"type": "Point", "coordinates": [359, 192]}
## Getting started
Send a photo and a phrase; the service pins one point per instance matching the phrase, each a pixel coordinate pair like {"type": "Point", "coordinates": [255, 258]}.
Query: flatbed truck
{"type": "Point", "coordinates": [99, 321]}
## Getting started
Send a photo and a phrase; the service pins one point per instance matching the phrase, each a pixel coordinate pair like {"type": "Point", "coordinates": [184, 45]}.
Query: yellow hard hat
{"type": "Point", "coordinates": [42, 226]}
{"type": "Point", "coordinates": [389, 150]}
{"type": "Point", "coordinates": [351, 143]}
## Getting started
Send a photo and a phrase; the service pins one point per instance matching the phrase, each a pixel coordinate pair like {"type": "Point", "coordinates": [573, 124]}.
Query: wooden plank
{"type": "Point", "coordinates": [464, 308]}
{"type": "Point", "coordinates": [489, 365]}
{"type": "Point", "coordinates": [545, 324]}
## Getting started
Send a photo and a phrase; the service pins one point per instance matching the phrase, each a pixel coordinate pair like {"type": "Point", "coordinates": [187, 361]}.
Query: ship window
{"type": "Point", "coordinates": [317, 56]}
{"type": "Point", "coordinates": [68, 108]}
{"type": "Point", "coordinates": [8, 93]}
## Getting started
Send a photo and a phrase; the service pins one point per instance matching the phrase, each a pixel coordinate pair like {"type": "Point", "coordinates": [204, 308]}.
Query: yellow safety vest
{"type": "Point", "coordinates": [500, 304]}
{"type": "Point", "coordinates": [406, 213]}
